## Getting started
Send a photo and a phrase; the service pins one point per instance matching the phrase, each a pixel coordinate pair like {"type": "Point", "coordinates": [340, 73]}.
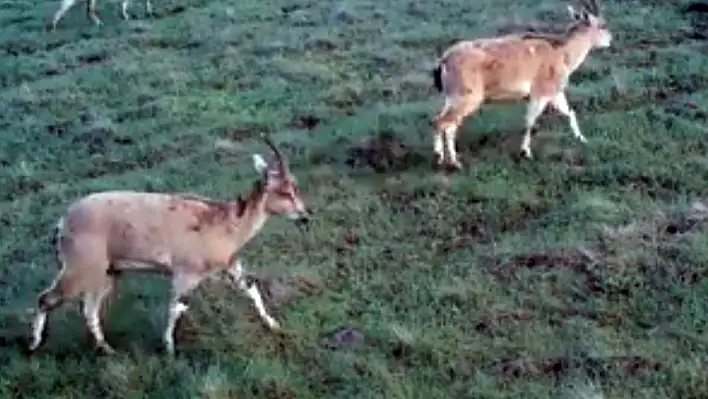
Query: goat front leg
{"type": "Point", "coordinates": [560, 102]}
{"type": "Point", "coordinates": [237, 276]}
{"type": "Point", "coordinates": [182, 285]}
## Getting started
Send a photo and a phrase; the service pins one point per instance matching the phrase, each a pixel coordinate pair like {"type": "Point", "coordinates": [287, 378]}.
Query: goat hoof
{"type": "Point", "coordinates": [28, 349]}
{"type": "Point", "coordinates": [106, 349]}
{"type": "Point", "coordinates": [273, 325]}
{"type": "Point", "coordinates": [439, 163]}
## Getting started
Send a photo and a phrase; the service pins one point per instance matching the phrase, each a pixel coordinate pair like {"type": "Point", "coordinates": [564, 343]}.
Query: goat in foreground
{"type": "Point", "coordinates": [185, 237]}
{"type": "Point", "coordinates": [91, 11]}
{"type": "Point", "coordinates": [513, 67]}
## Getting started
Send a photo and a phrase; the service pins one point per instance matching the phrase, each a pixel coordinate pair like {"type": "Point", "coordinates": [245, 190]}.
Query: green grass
{"type": "Point", "coordinates": [581, 271]}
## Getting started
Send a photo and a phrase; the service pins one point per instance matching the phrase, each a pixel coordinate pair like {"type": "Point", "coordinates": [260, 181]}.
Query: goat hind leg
{"type": "Point", "coordinates": [534, 110]}
{"type": "Point", "coordinates": [91, 12]}
{"type": "Point", "coordinates": [124, 9]}
{"type": "Point", "coordinates": [182, 284]}
{"type": "Point", "coordinates": [449, 121]}
{"type": "Point", "coordinates": [63, 8]}
{"type": "Point", "coordinates": [92, 310]}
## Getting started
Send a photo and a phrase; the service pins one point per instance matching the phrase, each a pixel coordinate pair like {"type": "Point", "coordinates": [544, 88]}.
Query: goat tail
{"type": "Point", "coordinates": [437, 76]}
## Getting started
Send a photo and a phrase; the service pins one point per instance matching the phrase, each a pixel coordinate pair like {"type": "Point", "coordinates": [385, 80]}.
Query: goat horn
{"type": "Point", "coordinates": [278, 154]}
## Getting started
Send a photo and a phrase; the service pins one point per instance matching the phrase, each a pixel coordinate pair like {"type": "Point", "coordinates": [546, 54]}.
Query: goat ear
{"type": "Point", "coordinates": [574, 14]}
{"type": "Point", "coordinates": [259, 163]}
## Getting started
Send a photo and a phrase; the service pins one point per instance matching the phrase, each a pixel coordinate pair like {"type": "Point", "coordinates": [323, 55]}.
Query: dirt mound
{"type": "Point", "coordinates": [383, 153]}
{"type": "Point", "coordinates": [344, 338]}
{"type": "Point", "coordinates": [602, 367]}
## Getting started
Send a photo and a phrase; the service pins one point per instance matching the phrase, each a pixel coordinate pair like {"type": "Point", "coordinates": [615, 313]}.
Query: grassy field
{"type": "Point", "coordinates": [580, 273]}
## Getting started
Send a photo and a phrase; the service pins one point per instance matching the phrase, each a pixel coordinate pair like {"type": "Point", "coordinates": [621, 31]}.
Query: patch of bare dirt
{"type": "Point", "coordinates": [471, 230]}
{"type": "Point", "coordinates": [97, 134]}
{"type": "Point", "coordinates": [279, 290]}
{"type": "Point", "coordinates": [321, 45]}
{"type": "Point", "coordinates": [662, 226]}
{"type": "Point", "coordinates": [273, 389]}
{"type": "Point", "coordinates": [180, 147]}
{"type": "Point", "coordinates": [494, 320]}
{"type": "Point", "coordinates": [410, 355]}
{"type": "Point", "coordinates": [58, 128]}
{"type": "Point", "coordinates": [580, 261]}
{"type": "Point", "coordinates": [384, 153]}
{"type": "Point", "coordinates": [556, 367]}
{"type": "Point", "coordinates": [508, 142]}
{"type": "Point", "coordinates": [404, 201]}
{"type": "Point", "coordinates": [346, 337]}
{"type": "Point", "coordinates": [239, 133]}
{"type": "Point", "coordinates": [685, 109]}
{"type": "Point", "coordinates": [178, 9]}
{"type": "Point", "coordinates": [16, 187]}
{"type": "Point", "coordinates": [570, 157]}
{"type": "Point", "coordinates": [305, 121]}
{"type": "Point", "coordinates": [348, 244]}
{"type": "Point", "coordinates": [664, 236]}
{"type": "Point", "coordinates": [92, 59]}
{"type": "Point", "coordinates": [652, 186]}
{"type": "Point", "coordinates": [569, 259]}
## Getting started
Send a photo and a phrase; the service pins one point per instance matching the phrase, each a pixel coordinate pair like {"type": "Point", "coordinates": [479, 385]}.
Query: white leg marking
{"type": "Point", "coordinates": [92, 13]}
{"type": "Point", "coordinates": [236, 273]}
{"type": "Point", "coordinates": [533, 111]}
{"type": "Point", "coordinates": [182, 284]}
{"type": "Point", "coordinates": [148, 7]}
{"type": "Point", "coordinates": [560, 102]}
{"type": "Point", "coordinates": [438, 147]}
{"type": "Point", "coordinates": [92, 306]}
{"type": "Point", "coordinates": [38, 325]}
{"type": "Point", "coordinates": [255, 296]}
{"type": "Point", "coordinates": [450, 133]}
{"type": "Point", "coordinates": [175, 312]}
{"type": "Point", "coordinates": [124, 9]}
{"type": "Point", "coordinates": [63, 8]}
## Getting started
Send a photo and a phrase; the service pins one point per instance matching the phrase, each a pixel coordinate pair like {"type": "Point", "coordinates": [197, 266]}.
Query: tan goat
{"type": "Point", "coordinates": [91, 11]}
{"type": "Point", "coordinates": [513, 67]}
{"type": "Point", "coordinates": [185, 237]}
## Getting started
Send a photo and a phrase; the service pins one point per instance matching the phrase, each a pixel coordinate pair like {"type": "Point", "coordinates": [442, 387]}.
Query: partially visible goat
{"type": "Point", "coordinates": [91, 11]}
{"type": "Point", "coordinates": [186, 237]}
{"type": "Point", "coordinates": [514, 67]}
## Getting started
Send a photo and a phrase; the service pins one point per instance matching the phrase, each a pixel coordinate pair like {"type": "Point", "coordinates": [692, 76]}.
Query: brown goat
{"type": "Point", "coordinates": [513, 67]}
{"type": "Point", "coordinates": [91, 11]}
{"type": "Point", "coordinates": [186, 237]}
